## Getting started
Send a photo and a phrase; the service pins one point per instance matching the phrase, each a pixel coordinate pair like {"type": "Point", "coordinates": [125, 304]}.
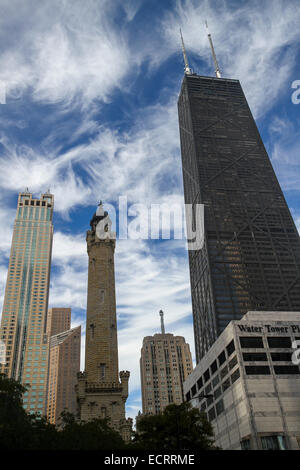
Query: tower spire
{"type": "Point", "coordinates": [187, 69]}
{"type": "Point", "coordinates": [161, 313]}
{"type": "Point", "coordinates": [217, 69]}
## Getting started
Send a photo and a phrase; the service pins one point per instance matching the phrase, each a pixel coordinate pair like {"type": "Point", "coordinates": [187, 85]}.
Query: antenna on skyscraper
{"type": "Point", "coordinates": [187, 69]}
{"type": "Point", "coordinates": [161, 313]}
{"type": "Point", "coordinates": [217, 69]}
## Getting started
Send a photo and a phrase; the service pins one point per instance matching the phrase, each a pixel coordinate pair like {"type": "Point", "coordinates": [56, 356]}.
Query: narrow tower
{"type": "Point", "coordinates": [100, 393]}
{"type": "Point", "coordinates": [187, 69]}
{"type": "Point", "coordinates": [161, 313]}
{"type": "Point", "coordinates": [217, 68]}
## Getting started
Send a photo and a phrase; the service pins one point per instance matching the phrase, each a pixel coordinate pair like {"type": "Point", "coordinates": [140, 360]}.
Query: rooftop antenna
{"type": "Point", "coordinates": [217, 69]}
{"type": "Point", "coordinates": [187, 69]}
{"type": "Point", "coordinates": [161, 313]}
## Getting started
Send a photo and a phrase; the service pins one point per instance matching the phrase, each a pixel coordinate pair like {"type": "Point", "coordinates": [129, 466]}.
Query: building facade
{"type": "Point", "coordinates": [102, 391]}
{"type": "Point", "coordinates": [248, 383]}
{"type": "Point", "coordinates": [64, 365]}
{"type": "Point", "coordinates": [165, 363]}
{"type": "Point", "coordinates": [251, 254]}
{"type": "Point", "coordinates": [58, 320]}
{"type": "Point", "coordinates": [24, 315]}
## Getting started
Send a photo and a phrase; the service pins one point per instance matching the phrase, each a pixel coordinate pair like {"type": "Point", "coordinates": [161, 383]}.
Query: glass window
{"type": "Point", "coordinates": [200, 383]}
{"type": "Point", "coordinates": [215, 381]}
{"type": "Point", "coordinates": [213, 367]}
{"type": "Point", "coordinates": [226, 385]}
{"type": "Point", "coordinates": [235, 375]}
{"type": "Point", "coordinates": [279, 341]}
{"type": "Point", "coordinates": [217, 393]}
{"type": "Point", "coordinates": [251, 342]}
{"type": "Point", "coordinates": [232, 363]}
{"type": "Point", "coordinates": [206, 375]}
{"type": "Point", "coordinates": [255, 356]}
{"type": "Point", "coordinates": [230, 348]}
{"type": "Point", "coordinates": [257, 370]}
{"type": "Point", "coordinates": [286, 370]}
{"type": "Point", "coordinates": [245, 444]}
{"type": "Point", "coordinates": [224, 372]}
{"type": "Point", "coordinates": [211, 414]}
{"type": "Point", "coordinates": [219, 407]}
{"type": "Point", "coordinates": [273, 443]}
{"type": "Point", "coordinates": [281, 356]}
{"type": "Point", "coordinates": [221, 358]}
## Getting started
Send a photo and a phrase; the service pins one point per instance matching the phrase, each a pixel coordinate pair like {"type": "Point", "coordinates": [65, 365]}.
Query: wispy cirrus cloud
{"type": "Point", "coordinates": [66, 52]}
{"type": "Point", "coordinates": [255, 42]}
{"type": "Point", "coordinates": [136, 163]}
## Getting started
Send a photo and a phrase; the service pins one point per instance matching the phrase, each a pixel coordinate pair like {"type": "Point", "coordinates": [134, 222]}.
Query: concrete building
{"type": "Point", "coordinates": [24, 315]}
{"type": "Point", "coordinates": [102, 391]}
{"type": "Point", "coordinates": [165, 363]}
{"type": "Point", "coordinates": [58, 320]}
{"type": "Point", "coordinates": [248, 383]}
{"type": "Point", "coordinates": [64, 365]}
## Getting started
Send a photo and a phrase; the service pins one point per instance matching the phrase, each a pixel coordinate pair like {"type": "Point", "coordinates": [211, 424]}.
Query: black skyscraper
{"type": "Point", "coordinates": [251, 256]}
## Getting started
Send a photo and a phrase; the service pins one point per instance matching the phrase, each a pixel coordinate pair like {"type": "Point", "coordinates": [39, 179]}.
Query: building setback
{"type": "Point", "coordinates": [165, 363]}
{"type": "Point", "coordinates": [251, 254]}
{"type": "Point", "coordinates": [58, 320]}
{"type": "Point", "coordinates": [248, 383]}
{"type": "Point", "coordinates": [64, 365]}
{"type": "Point", "coordinates": [23, 324]}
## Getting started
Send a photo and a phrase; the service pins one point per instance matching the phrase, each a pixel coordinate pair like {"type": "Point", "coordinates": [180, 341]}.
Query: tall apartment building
{"type": "Point", "coordinates": [24, 315]}
{"type": "Point", "coordinates": [64, 365]}
{"type": "Point", "coordinates": [250, 259]}
{"type": "Point", "coordinates": [165, 364]}
{"type": "Point", "coordinates": [58, 320]}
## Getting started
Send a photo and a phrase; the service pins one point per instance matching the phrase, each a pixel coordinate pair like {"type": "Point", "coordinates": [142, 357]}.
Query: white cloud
{"type": "Point", "coordinates": [255, 42]}
{"type": "Point", "coordinates": [143, 164]}
{"type": "Point", "coordinates": [67, 52]}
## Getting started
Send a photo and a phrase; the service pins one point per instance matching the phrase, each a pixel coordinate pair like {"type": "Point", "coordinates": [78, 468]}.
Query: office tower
{"type": "Point", "coordinates": [58, 320]}
{"type": "Point", "coordinates": [64, 365]}
{"type": "Point", "coordinates": [165, 363]}
{"type": "Point", "coordinates": [100, 393]}
{"type": "Point", "coordinates": [23, 324]}
{"type": "Point", "coordinates": [251, 254]}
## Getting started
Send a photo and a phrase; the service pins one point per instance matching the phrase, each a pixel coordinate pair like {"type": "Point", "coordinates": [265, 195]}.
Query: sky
{"type": "Point", "coordinates": [88, 95]}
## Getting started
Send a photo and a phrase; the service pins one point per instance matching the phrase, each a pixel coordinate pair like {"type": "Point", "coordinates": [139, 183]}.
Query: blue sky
{"type": "Point", "coordinates": [91, 113]}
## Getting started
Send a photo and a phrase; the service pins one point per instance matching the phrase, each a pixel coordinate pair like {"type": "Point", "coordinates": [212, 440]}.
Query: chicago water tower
{"type": "Point", "coordinates": [102, 391]}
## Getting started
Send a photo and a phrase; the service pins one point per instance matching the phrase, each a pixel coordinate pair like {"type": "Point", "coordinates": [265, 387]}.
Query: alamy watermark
{"type": "Point", "coordinates": [156, 221]}
{"type": "Point", "coordinates": [296, 94]}
{"type": "Point", "coordinates": [2, 93]}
